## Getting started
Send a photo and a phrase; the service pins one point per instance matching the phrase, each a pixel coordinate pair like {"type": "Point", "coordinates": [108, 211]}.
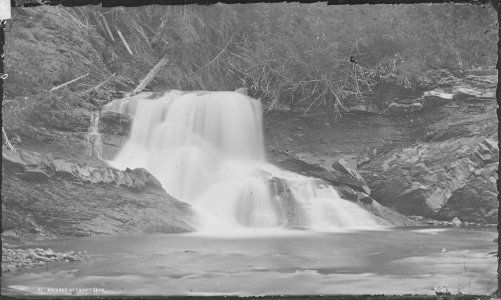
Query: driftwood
{"type": "Point", "coordinates": [65, 84]}
{"type": "Point", "coordinates": [124, 41]}
{"type": "Point", "coordinates": [162, 62]}
{"type": "Point", "coordinates": [99, 85]}
{"type": "Point", "coordinates": [7, 140]}
{"type": "Point", "coordinates": [141, 32]}
{"type": "Point", "coordinates": [107, 28]}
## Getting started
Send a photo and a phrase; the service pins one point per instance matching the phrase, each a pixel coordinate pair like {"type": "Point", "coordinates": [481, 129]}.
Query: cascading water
{"type": "Point", "coordinates": [93, 139]}
{"type": "Point", "coordinates": [206, 148]}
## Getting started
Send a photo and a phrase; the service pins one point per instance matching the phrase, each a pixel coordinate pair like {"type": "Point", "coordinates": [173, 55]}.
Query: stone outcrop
{"type": "Point", "coordinates": [114, 123]}
{"type": "Point", "coordinates": [440, 162]}
{"type": "Point", "coordinates": [54, 197]}
{"type": "Point", "coordinates": [334, 170]}
{"type": "Point", "coordinates": [35, 167]}
{"type": "Point", "coordinates": [285, 204]}
{"type": "Point", "coordinates": [445, 179]}
{"type": "Point", "coordinates": [455, 89]}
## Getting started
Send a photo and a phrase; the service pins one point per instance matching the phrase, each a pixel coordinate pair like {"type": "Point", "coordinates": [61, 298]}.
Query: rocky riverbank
{"type": "Point", "coordinates": [438, 161]}
{"type": "Point", "coordinates": [48, 197]}
{"type": "Point", "coordinates": [14, 260]}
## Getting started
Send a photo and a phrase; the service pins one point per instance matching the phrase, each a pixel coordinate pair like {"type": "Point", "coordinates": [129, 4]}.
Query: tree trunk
{"type": "Point", "coordinates": [162, 62]}
{"type": "Point", "coordinates": [7, 140]}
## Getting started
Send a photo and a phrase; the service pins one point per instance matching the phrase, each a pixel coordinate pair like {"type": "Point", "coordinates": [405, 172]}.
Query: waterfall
{"type": "Point", "coordinates": [207, 149]}
{"type": "Point", "coordinates": [93, 139]}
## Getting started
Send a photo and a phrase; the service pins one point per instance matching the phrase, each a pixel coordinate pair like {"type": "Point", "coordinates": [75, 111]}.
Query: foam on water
{"type": "Point", "coordinates": [207, 149]}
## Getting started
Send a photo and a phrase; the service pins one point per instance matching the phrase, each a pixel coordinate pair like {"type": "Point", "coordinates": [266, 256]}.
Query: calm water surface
{"type": "Point", "coordinates": [393, 261]}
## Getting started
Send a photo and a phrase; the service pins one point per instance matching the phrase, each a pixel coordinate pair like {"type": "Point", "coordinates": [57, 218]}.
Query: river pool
{"type": "Point", "coordinates": [390, 261]}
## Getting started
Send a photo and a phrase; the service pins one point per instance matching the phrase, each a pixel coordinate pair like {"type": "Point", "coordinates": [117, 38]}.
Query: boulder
{"type": "Point", "coordinates": [365, 108]}
{"type": "Point", "coordinates": [444, 179]}
{"type": "Point", "coordinates": [243, 91]}
{"type": "Point", "coordinates": [442, 289]}
{"type": "Point", "coordinates": [477, 199]}
{"type": "Point", "coordinates": [344, 168]}
{"type": "Point", "coordinates": [334, 170]}
{"type": "Point", "coordinates": [115, 123]}
{"type": "Point", "coordinates": [456, 221]}
{"type": "Point", "coordinates": [401, 109]}
{"type": "Point", "coordinates": [348, 193]}
{"type": "Point", "coordinates": [10, 234]}
{"type": "Point", "coordinates": [13, 159]}
{"type": "Point", "coordinates": [285, 204]}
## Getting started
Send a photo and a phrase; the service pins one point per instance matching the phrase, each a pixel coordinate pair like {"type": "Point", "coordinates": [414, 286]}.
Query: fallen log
{"type": "Point", "coordinates": [124, 41]}
{"type": "Point", "coordinates": [142, 85]}
{"type": "Point", "coordinates": [100, 85]}
{"type": "Point", "coordinates": [65, 84]}
{"type": "Point", "coordinates": [107, 28]}
{"type": "Point", "coordinates": [7, 140]}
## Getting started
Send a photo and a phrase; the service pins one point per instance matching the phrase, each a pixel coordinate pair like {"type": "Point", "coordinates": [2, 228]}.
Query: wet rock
{"type": "Point", "coordinates": [386, 216]}
{"type": "Point", "coordinates": [38, 167]}
{"type": "Point", "coordinates": [366, 108]}
{"type": "Point", "coordinates": [79, 200]}
{"type": "Point", "coordinates": [242, 90]}
{"type": "Point", "coordinates": [49, 253]}
{"type": "Point", "coordinates": [285, 204]}
{"type": "Point", "coordinates": [441, 290]}
{"type": "Point", "coordinates": [115, 123]}
{"type": "Point", "coordinates": [446, 178]}
{"type": "Point", "coordinates": [456, 222]}
{"type": "Point", "coordinates": [462, 93]}
{"type": "Point", "coordinates": [36, 174]}
{"type": "Point", "coordinates": [13, 159]}
{"type": "Point", "coordinates": [435, 98]}
{"type": "Point", "coordinates": [349, 193]}
{"type": "Point", "coordinates": [400, 109]}
{"type": "Point", "coordinates": [334, 170]}
{"type": "Point", "coordinates": [20, 259]}
{"type": "Point", "coordinates": [343, 167]}
{"type": "Point", "coordinates": [10, 234]}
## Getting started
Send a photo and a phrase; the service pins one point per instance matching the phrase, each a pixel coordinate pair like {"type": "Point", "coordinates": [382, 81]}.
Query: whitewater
{"type": "Point", "coordinates": [207, 149]}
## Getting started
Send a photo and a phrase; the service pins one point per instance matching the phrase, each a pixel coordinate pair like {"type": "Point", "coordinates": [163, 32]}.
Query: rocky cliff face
{"type": "Point", "coordinates": [47, 197]}
{"type": "Point", "coordinates": [436, 155]}
{"type": "Point", "coordinates": [452, 178]}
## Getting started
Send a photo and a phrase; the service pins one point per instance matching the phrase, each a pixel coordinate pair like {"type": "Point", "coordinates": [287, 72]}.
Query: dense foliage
{"type": "Point", "coordinates": [287, 53]}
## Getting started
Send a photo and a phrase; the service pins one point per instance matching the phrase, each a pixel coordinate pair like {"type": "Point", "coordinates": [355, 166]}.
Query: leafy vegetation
{"type": "Point", "coordinates": [294, 54]}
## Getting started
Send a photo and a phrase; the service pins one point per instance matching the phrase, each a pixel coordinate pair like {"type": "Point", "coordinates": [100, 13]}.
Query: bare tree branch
{"type": "Point", "coordinates": [65, 84]}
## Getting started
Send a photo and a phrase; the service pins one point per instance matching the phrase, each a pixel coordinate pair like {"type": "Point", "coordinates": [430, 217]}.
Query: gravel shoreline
{"type": "Point", "coordinates": [14, 260]}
